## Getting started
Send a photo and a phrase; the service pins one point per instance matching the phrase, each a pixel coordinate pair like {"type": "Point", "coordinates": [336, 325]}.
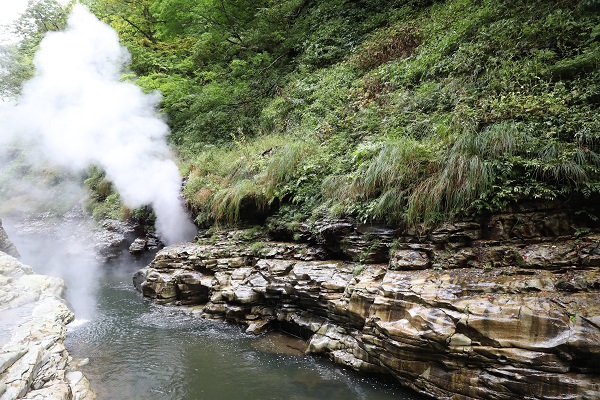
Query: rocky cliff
{"type": "Point", "coordinates": [34, 363]}
{"type": "Point", "coordinates": [505, 307]}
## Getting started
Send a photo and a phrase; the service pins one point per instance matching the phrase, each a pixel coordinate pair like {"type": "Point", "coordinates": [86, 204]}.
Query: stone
{"type": "Point", "coordinates": [549, 256]}
{"type": "Point", "coordinates": [83, 362]}
{"type": "Point", "coordinates": [258, 326]}
{"type": "Point", "coordinates": [73, 377]}
{"type": "Point", "coordinates": [7, 359]}
{"type": "Point", "coordinates": [138, 246]}
{"type": "Point", "coordinates": [33, 362]}
{"type": "Point", "coordinates": [474, 310]}
{"type": "Point", "coordinates": [409, 259]}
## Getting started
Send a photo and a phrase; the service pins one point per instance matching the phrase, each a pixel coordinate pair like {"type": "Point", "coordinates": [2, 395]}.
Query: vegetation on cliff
{"type": "Point", "coordinates": [405, 111]}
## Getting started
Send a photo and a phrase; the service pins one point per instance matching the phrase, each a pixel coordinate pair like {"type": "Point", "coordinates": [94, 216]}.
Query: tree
{"type": "Point", "coordinates": [40, 17]}
{"type": "Point", "coordinates": [134, 20]}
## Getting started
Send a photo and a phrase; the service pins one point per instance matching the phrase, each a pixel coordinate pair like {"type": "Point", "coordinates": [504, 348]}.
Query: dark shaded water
{"type": "Point", "coordinates": [139, 350]}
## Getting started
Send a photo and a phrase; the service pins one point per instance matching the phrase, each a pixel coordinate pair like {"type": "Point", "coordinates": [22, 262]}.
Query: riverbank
{"type": "Point", "coordinates": [34, 363]}
{"type": "Point", "coordinates": [141, 351]}
{"type": "Point", "coordinates": [503, 307]}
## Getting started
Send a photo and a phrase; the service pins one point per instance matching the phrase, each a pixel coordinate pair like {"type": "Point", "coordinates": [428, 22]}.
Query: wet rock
{"type": "Point", "coordinates": [33, 359]}
{"type": "Point", "coordinates": [113, 239]}
{"type": "Point", "coordinates": [258, 326]}
{"type": "Point", "coordinates": [138, 246]}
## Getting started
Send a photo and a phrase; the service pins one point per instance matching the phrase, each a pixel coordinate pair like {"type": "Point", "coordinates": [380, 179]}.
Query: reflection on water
{"type": "Point", "coordinates": [139, 350]}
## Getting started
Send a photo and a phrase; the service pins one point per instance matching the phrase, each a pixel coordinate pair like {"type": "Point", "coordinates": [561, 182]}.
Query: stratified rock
{"type": "Point", "coordinates": [455, 315]}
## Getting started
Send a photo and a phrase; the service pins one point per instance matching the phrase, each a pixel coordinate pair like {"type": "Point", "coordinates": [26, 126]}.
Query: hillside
{"type": "Point", "coordinates": [409, 113]}
{"type": "Point", "coordinates": [412, 112]}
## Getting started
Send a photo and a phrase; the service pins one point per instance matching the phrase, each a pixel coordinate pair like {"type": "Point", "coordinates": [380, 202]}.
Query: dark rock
{"type": "Point", "coordinates": [6, 246]}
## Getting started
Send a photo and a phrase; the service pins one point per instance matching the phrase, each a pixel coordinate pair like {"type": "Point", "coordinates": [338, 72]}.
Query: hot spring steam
{"type": "Point", "coordinates": [76, 112]}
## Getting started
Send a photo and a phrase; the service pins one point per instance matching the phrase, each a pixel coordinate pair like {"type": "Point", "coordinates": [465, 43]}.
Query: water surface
{"type": "Point", "coordinates": [142, 351]}
{"type": "Point", "coordinates": [139, 350]}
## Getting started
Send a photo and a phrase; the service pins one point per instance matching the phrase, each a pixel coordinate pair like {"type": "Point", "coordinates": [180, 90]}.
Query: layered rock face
{"type": "Point", "coordinates": [503, 308]}
{"type": "Point", "coordinates": [34, 363]}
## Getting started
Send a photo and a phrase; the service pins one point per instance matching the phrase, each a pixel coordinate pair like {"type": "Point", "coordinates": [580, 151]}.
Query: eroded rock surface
{"type": "Point", "coordinates": [468, 312]}
{"type": "Point", "coordinates": [34, 363]}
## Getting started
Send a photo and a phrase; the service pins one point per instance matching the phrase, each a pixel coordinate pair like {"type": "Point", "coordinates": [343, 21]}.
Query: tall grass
{"type": "Point", "coordinates": [226, 203]}
{"type": "Point", "coordinates": [386, 178]}
{"type": "Point", "coordinates": [221, 180]}
{"type": "Point", "coordinates": [567, 164]}
{"type": "Point", "coordinates": [284, 164]}
{"type": "Point", "coordinates": [463, 173]}
{"type": "Point", "coordinates": [418, 182]}
{"type": "Point", "coordinates": [398, 164]}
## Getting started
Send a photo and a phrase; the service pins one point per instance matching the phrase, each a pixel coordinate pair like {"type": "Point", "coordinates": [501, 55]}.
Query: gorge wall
{"type": "Point", "coordinates": [504, 307]}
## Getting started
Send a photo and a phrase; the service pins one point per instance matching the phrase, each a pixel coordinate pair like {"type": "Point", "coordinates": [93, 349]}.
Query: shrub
{"type": "Point", "coordinates": [388, 44]}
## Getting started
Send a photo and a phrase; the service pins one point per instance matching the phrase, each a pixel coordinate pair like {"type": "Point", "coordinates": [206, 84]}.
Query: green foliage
{"type": "Point", "coordinates": [16, 59]}
{"type": "Point", "coordinates": [386, 45]}
{"type": "Point", "coordinates": [40, 17]}
{"type": "Point", "coordinates": [407, 112]}
{"type": "Point", "coordinates": [104, 202]}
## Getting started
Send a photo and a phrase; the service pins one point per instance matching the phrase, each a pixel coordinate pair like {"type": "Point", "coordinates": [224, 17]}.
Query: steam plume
{"type": "Point", "coordinates": [75, 112]}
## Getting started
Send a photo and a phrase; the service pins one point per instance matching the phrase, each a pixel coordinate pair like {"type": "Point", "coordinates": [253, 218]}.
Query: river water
{"type": "Point", "coordinates": [142, 351]}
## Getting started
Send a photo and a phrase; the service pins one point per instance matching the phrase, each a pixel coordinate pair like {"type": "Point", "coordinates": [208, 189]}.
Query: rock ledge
{"type": "Point", "coordinates": [468, 312]}
{"type": "Point", "coordinates": [34, 363]}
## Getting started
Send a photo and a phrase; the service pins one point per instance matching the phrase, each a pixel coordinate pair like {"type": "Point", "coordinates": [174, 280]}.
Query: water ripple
{"type": "Point", "coordinates": [141, 351]}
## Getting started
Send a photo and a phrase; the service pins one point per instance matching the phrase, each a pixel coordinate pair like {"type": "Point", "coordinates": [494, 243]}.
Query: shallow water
{"type": "Point", "coordinates": [142, 351]}
{"type": "Point", "coordinates": [139, 350]}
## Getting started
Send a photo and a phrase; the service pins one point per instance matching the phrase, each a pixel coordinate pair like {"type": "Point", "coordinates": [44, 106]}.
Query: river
{"type": "Point", "coordinates": [142, 351]}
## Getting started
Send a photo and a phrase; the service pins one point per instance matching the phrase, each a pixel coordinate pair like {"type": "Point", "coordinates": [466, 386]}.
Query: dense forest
{"type": "Point", "coordinates": [407, 112]}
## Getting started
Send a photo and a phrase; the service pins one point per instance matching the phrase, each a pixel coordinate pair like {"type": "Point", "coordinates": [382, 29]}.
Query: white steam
{"type": "Point", "coordinates": [75, 113]}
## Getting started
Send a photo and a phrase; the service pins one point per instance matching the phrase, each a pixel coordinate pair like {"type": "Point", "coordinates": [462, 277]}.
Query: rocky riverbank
{"type": "Point", "coordinates": [506, 307]}
{"type": "Point", "coordinates": [34, 363]}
